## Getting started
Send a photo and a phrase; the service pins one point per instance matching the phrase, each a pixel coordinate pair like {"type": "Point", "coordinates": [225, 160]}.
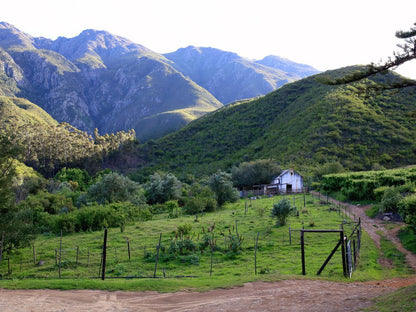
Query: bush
{"type": "Point", "coordinates": [79, 177]}
{"type": "Point", "coordinates": [220, 183]}
{"type": "Point", "coordinates": [390, 200]}
{"type": "Point", "coordinates": [184, 229]}
{"type": "Point", "coordinates": [281, 211]}
{"type": "Point", "coordinates": [113, 187]}
{"type": "Point", "coordinates": [407, 209]}
{"type": "Point", "coordinates": [162, 187]}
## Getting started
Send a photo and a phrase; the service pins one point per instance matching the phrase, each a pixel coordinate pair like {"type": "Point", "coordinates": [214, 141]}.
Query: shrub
{"type": "Point", "coordinates": [113, 187]}
{"type": "Point", "coordinates": [172, 207]}
{"type": "Point", "coordinates": [184, 229]}
{"type": "Point", "coordinates": [222, 186]}
{"type": "Point", "coordinates": [162, 187]}
{"type": "Point", "coordinates": [390, 200]}
{"type": "Point", "coordinates": [407, 209]}
{"type": "Point", "coordinates": [199, 204]}
{"type": "Point", "coordinates": [79, 177]}
{"type": "Point", "coordinates": [281, 211]}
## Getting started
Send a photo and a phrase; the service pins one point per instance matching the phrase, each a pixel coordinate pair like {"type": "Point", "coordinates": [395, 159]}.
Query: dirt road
{"type": "Point", "coordinates": [288, 295]}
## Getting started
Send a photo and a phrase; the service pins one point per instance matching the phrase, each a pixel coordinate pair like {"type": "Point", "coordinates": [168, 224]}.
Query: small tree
{"type": "Point", "coordinates": [75, 176]}
{"type": "Point", "coordinates": [113, 187]}
{"type": "Point", "coordinates": [281, 211]}
{"type": "Point", "coordinates": [162, 187]}
{"type": "Point", "coordinates": [220, 183]}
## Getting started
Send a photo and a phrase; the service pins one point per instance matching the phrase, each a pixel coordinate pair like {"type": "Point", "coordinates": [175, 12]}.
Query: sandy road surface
{"type": "Point", "coordinates": [288, 295]}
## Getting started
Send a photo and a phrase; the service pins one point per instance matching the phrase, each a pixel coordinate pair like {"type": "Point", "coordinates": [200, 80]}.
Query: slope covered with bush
{"type": "Point", "coordinates": [303, 124]}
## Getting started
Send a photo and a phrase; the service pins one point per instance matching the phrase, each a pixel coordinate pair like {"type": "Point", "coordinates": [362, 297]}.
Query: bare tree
{"type": "Point", "coordinates": [406, 53]}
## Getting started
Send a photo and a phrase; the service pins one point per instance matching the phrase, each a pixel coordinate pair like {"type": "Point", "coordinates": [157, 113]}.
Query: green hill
{"type": "Point", "coordinates": [302, 124]}
{"type": "Point", "coordinates": [48, 145]}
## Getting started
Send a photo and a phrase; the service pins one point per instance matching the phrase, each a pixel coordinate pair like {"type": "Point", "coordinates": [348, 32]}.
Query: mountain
{"type": "Point", "coordinates": [303, 124]}
{"type": "Point", "coordinates": [230, 77]}
{"type": "Point", "coordinates": [292, 68]}
{"type": "Point", "coordinates": [99, 80]}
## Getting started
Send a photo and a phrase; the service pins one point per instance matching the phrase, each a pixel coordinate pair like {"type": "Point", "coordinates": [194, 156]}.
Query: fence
{"type": "Point", "coordinates": [128, 257]}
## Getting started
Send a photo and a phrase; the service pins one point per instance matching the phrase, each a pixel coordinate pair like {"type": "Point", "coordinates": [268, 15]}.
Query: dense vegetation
{"type": "Point", "coordinates": [228, 235]}
{"type": "Point", "coordinates": [393, 189]}
{"type": "Point", "coordinates": [49, 146]}
{"type": "Point", "coordinates": [304, 124]}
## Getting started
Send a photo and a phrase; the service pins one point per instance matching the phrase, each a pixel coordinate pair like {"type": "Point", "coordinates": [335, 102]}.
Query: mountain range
{"type": "Point", "coordinates": [97, 80]}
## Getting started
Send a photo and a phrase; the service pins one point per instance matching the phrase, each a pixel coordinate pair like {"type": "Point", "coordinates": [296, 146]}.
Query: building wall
{"type": "Point", "coordinates": [290, 180]}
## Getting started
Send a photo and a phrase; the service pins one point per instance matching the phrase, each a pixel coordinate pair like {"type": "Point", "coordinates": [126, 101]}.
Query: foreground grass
{"type": "Point", "coordinates": [408, 239]}
{"type": "Point", "coordinates": [403, 300]}
{"type": "Point", "coordinates": [277, 256]}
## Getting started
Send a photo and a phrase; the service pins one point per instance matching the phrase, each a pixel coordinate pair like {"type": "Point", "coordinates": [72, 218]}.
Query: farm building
{"type": "Point", "coordinates": [289, 181]}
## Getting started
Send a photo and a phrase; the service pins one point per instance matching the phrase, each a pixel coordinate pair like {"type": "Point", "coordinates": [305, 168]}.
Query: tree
{"type": "Point", "coordinates": [8, 153]}
{"type": "Point", "coordinates": [260, 171]}
{"type": "Point", "coordinates": [78, 178]}
{"type": "Point", "coordinates": [406, 53]}
{"type": "Point", "coordinates": [281, 211]}
{"type": "Point", "coordinates": [113, 187]}
{"type": "Point", "coordinates": [162, 187]}
{"type": "Point", "coordinates": [220, 183]}
{"type": "Point", "coordinates": [17, 231]}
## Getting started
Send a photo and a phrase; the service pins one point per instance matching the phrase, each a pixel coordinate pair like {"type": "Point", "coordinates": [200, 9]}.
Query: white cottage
{"type": "Point", "coordinates": [289, 181]}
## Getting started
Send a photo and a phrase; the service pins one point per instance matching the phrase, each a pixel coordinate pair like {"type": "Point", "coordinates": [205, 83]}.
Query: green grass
{"type": "Point", "coordinates": [408, 239]}
{"type": "Point", "coordinates": [276, 258]}
{"type": "Point", "coordinates": [397, 258]}
{"type": "Point", "coordinates": [391, 302]}
{"type": "Point", "coordinates": [373, 211]}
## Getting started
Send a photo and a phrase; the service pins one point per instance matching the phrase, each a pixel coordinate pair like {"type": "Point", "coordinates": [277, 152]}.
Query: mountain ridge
{"type": "Point", "coordinates": [104, 81]}
{"type": "Point", "coordinates": [222, 72]}
{"type": "Point", "coordinates": [98, 80]}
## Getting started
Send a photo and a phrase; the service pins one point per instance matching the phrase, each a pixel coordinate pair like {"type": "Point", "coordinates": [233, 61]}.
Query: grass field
{"type": "Point", "coordinates": [232, 232]}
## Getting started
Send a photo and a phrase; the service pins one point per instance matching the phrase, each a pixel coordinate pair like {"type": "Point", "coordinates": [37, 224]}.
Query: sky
{"type": "Point", "coordinates": [325, 34]}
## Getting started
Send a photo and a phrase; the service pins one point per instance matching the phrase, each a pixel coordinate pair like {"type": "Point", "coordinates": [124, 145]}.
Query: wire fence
{"type": "Point", "coordinates": [127, 257]}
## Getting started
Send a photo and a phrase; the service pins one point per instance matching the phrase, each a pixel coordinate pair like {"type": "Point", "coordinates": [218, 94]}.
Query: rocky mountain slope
{"type": "Point", "coordinates": [98, 80]}
{"type": "Point", "coordinates": [230, 77]}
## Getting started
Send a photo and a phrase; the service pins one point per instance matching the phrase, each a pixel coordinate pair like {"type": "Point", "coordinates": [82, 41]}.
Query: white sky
{"type": "Point", "coordinates": [326, 34]}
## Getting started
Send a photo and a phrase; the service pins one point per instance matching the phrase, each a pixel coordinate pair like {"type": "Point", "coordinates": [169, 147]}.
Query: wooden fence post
{"type": "Point", "coordinates": [255, 254]}
{"type": "Point", "coordinates": [60, 254]}
{"type": "Point", "coordinates": [302, 245]}
{"type": "Point", "coordinates": [1, 245]}
{"type": "Point", "coordinates": [157, 254]}
{"type": "Point", "coordinates": [344, 262]}
{"type": "Point", "coordinates": [236, 230]}
{"type": "Point", "coordinates": [104, 254]}
{"type": "Point", "coordinates": [34, 254]}
{"type": "Point", "coordinates": [128, 247]}
{"type": "Point", "coordinates": [212, 253]}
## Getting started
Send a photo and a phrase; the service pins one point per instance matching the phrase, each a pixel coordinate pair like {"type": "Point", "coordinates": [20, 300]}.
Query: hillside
{"type": "Point", "coordinates": [230, 77]}
{"type": "Point", "coordinates": [48, 145]}
{"type": "Point", "coordinates": [302, 124]}
{"type": "Point", "coordinates": [99, 80]}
